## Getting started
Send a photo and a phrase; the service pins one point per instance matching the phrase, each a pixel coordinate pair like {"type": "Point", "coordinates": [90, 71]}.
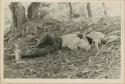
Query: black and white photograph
{"type": "Point", "coordinates": [62, 40]}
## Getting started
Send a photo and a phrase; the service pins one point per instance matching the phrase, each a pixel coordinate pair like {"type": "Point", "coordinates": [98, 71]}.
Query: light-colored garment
{"type": "Point", "coordinates": [97, 37]}
{"type": "Point", "coordinates": [70, 41]}
{"type": "Point", "coordinates": [73, 42]}
{"type": "Point", "coordinates": [84, 44]}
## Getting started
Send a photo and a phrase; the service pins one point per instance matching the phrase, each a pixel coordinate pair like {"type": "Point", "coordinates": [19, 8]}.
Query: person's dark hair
{"type": "Point", "coordinates": [90, 40]}
{"type": "Point", "coordinates": [80, 35]}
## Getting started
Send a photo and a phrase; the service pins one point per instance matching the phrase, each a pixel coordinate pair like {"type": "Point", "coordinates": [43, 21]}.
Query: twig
{"type": "Point", "coordinates": [98, 52]}
{"type": "Point", "coordinates": [75, 60]}
{"type": "Point", "coordinates": [109, 66]}
{"type": "Point", "coordinates": [89, 76]}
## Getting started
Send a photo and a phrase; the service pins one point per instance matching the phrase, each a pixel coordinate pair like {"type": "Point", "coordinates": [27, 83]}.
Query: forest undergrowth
{"type": "Point", "coordinates": [93, 64]}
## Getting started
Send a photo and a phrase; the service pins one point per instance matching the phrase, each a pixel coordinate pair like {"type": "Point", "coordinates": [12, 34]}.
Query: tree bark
{"type": "Point", "coordinates": [18, 13]}
{"type": "Point", "coordinates": [89, 10]}
{"type": "Point", "coordinates": [33, 10]}
{"type": "Point", "coordinates": [70, 10]}
{"type": "Point", "coordinates": [105, 12]}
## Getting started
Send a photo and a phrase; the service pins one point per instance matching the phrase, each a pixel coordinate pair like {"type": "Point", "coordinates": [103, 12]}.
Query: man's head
{"type": "Point", "coordinates": [80, 35]}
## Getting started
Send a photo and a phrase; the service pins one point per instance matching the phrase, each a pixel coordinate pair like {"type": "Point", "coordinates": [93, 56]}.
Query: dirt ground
{"type": "Point", "coordinates": [93, 64]}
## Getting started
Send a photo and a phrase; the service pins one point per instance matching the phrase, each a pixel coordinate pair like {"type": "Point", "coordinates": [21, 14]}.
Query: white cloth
{"type": "Point", "coordinates": [72, 42]}
{"type": "Point", "coordinates": [84, 44]}
{"type": "Point", "coordinates": [96, 36]}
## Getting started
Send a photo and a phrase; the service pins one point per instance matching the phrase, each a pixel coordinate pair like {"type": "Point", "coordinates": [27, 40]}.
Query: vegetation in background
{"type": "Point", "coordinates": [98, 64]}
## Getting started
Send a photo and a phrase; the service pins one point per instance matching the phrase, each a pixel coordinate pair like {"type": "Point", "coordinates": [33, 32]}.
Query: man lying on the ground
{"type": "Point", "coordinates": [50, 43]}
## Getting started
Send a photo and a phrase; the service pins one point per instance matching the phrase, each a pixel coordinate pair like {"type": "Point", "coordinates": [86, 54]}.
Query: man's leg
{"type": "Point", "coordinates": [49, 44]}
{"type": "Point", "coordinates": [34, 52]}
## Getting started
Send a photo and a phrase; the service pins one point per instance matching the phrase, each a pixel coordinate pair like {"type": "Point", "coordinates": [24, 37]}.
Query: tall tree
{"type": "Point", "coordinates": [70, 10]}
{"type": "Point", "coordinates": [33, 10]}
{"type": "Point", "coordinates": [18, 13]}
{"type": "Point", "coordinates": [104, 7]}
{"type": "Point", "coordinates": [89, 9]}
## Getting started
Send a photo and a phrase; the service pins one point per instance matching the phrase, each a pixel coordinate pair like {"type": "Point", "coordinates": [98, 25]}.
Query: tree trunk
{"type": "Point", "coordinates": [105, 12]}
{"type": "Point", "coordinates": [70, 10]}
{"type": "Point", "coordinates": [33, 10]}
{"type": "Point", "coordinates": [89, 10]}
{"type": "Point", "coordinates": [18, 13]}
